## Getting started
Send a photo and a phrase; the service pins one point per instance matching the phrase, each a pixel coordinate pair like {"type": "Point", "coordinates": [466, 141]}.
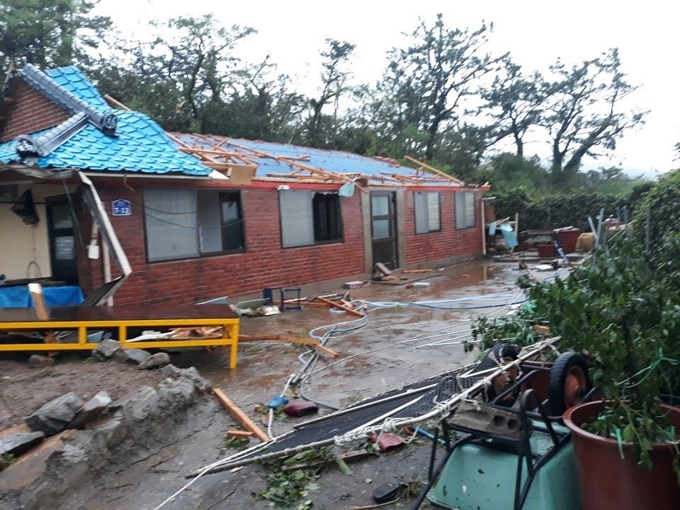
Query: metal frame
{"type": "Point", "coordinates": [230, 329]}
{"type": "Point", "coordinates": [522, 446]}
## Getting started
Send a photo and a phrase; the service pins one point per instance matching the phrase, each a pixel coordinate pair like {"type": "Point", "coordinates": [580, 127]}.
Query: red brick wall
{"type": "Point", "coordinates": [448, 242]}
{"type": "Point", "coordinates": [264, 264]}
{"type": "Point", "coordinates": [31, 112]}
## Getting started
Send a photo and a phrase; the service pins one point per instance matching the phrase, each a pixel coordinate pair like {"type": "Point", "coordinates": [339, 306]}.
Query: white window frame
{"type": "Point", "coordinates": [466, 210]}
{"type": "Point", "coordinates": [427, 210]}
{"type": "Point", "coordinates": [175, 224]}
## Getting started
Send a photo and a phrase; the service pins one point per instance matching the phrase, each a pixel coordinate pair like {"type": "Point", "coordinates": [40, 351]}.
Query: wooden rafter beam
{"type": "Point", "coordinates": [433, 170]}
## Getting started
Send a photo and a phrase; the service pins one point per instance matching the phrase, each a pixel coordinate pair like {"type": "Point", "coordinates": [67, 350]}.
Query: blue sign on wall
{"type": "Point", "coordinates": [121, 207]}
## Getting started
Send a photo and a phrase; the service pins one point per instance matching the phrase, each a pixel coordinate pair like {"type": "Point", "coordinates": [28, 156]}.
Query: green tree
{"type": "Point", "coordinates": [516, 103]}
{"type": "Point", "coordinates": [334, 83]}
{"type": "Point", "coordinates": [425, 86]}
{"type": "Point", "coordinates": [48, 33]}
{"type": "Point", "coordinates": [181, 78]}
{"type": "Point", "coordinates": [585, 115]}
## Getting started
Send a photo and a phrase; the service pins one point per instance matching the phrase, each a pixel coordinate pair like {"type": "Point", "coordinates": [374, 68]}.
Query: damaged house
{"type": "Point", "coordinates": [200, 217]}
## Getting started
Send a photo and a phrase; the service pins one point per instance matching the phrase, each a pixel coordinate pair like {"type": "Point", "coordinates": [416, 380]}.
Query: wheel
{"type": "Point", "coordinates": [568, 382]}
{"type": "Point", "coordinates": [497, 355]}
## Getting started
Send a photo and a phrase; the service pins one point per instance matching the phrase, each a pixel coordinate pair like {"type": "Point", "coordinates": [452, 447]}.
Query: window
{"type": "Point", "coordinates": [308, 218]}
{"type": "Point", "coordinates": [465, 209]}
{"type": "Point", "coordinates": [187, 223]}
{"type": "Point", "coordinates": [426, 207]}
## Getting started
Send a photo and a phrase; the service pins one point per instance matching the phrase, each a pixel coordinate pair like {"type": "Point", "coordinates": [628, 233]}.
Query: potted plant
{"type": "Point", "coordinates": [623, 312]}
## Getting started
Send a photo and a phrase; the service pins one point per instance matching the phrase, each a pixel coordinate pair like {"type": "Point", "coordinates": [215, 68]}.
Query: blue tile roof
{"type": "Point", "coordinates": [140, 145]}
{"type": "Point", "coordinates": [76, 83]}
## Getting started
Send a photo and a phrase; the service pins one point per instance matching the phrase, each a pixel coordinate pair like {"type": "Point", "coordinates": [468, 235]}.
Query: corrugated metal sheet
{"type": "Point", "coordinates": [329, 160]}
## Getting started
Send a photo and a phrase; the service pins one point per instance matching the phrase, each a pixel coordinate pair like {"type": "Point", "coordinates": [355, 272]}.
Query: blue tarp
{"type": "Point", "coordinates": [19, 297]}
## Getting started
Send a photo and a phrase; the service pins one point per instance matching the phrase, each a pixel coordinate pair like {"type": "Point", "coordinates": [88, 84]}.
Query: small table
{"type": "Point", "coordinates": [82, 318]}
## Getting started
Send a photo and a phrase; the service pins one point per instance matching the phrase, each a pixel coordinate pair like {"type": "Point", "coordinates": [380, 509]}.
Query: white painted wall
{"type": "Point", "coordinates": [21, 244]}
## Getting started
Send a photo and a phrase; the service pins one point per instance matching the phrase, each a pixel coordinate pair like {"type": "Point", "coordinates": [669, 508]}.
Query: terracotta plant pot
{"type": "Point", "coordinates": [608, 482]}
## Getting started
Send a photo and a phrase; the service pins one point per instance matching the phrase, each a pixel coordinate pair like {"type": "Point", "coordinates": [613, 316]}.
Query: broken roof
{"type": "Point", "coordinates": [284, 162]}
{"type": "Point", "coordinates": [95, 137]}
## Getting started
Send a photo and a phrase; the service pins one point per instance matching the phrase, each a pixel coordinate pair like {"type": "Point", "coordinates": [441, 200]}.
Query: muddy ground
{"type": "Point", "coordinates": [402, 343]}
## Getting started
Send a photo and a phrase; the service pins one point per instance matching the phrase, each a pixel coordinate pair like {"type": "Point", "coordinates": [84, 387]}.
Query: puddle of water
{"type": "Point", "coordinates": [263, 369]}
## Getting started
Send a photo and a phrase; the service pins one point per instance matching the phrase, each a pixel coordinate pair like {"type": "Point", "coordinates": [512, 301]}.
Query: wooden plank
{"type": "Point", "coordinates": [240, 416]}
{"type": "Point", "coordinates": [434, 170]}
{"type": "Point", "coordinates": [41, 311]}
{"type": "Point", "coordinates": [240, 434]}
{"type": "Point", "coordinates": [340, 306]}
{"type": "Point", "coordinates": [407, 271]}
{"type": "Point", "coordinates": [312, 342]}
{"type": "Point", "coordinates": [542, 330]}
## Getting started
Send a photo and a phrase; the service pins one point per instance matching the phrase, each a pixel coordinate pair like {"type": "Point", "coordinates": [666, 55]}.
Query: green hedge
{"type": "Point", "coordinates": [555, 211]}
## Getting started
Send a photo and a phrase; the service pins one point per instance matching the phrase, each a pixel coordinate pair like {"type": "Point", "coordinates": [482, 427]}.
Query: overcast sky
{"type": "Point", "coordinates": [534, 32]}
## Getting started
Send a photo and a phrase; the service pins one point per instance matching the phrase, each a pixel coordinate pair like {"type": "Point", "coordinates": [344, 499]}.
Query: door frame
{"type": "Point", "coordinates": [53, 233]}
{"type": "Point", "coordinates": [392, 216]}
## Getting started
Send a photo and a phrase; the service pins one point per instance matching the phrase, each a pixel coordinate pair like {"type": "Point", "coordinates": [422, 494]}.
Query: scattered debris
{"type": "Point", "coordinates": [239, 434]}
{"type": "Point", "coordinates": [92, 409]}
{"type": "Point", "coordinates": [40, 361]}
{"type": "Point", "coordinates": [303, 408]}
{"type": "Point", "coordinates": [240, 416]}
{"type": "Point", "coordinates": [312, 342]}
{"type": "Point", "coordinates": [388, 492]}
{"type": "Point", "coordinates": [136, 356]}
{"type": "Point", "coordinates": [388, 442]}
{"type": "Point", "coordinates": [106, 350]}
{"type": "Point", "coordinates": [55, 416]}
{"type": "Point", "coordinates": [356, 284]}
{"type": "Point", "coordinates": [160, 359]}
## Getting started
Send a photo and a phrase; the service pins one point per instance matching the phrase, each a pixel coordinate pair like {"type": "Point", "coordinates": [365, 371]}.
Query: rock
{"type": "Point", "coordinates": [40, 361]}
{"type": "Point", "coordinates": [134, 356]}
{"type": "Point", "coordinates": [159, 359]}
{"type": "Point", "coordinates": [171, 371]}
{"type": "Point", "coordinates": [106, 350]}
{"type": "Point", "coordinates": [201, 384]}
{"type": "Point", "coordinates": [19, 442]}
{"type": "Point", "coordinates": [54, 416]}
{"type": "Point", "coordinates": [91, 410]}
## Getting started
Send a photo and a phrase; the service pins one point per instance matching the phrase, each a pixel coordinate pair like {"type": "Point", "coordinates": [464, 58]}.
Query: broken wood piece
{"type": "Point", "coordinates": [340, 306]}
{"type": "Point", "coordinates": [240, 416]}
{"type": "Point", "coordinates": [383, 268]}
{"type": "Point", "coordinates": [312, 342]}
{"type": "Point", "coordinates": [542, 330]}
{"type": "Point", "coordinates": [407, 271]}
{"type": "Point", "coordinates": [41, 311]}
{"type": "Point", "coordinates": [239, 434]}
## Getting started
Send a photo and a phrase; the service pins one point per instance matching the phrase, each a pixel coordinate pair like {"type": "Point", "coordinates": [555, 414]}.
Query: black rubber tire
{"type": "Point", "coordinates": [558, 378]}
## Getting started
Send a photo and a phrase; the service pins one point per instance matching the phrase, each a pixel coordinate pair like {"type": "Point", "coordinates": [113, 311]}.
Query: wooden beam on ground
{"type": "Point", "coordinates": [406, 271]}
{"type": "Point", "coordinates": [340, 306]}
{"type": "Point", "coordinates": [240, 434]}
{"type": "Point", "coordinates": [312, 342]}
{"type": "Point", "coordinates": [240, 416]}
{"type": "Point", "coordinates": [433, 170]}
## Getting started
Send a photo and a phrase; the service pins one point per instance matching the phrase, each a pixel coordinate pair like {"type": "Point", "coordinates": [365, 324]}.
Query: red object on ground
{"type": "Point", "coordinates": [300, 408]}
{"type": "Point", "coordinates": [568, 238]}
{"type": "Point", "coordinates": [388, 441]}
{"type": "Point", "coordinates": [546, 251]}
